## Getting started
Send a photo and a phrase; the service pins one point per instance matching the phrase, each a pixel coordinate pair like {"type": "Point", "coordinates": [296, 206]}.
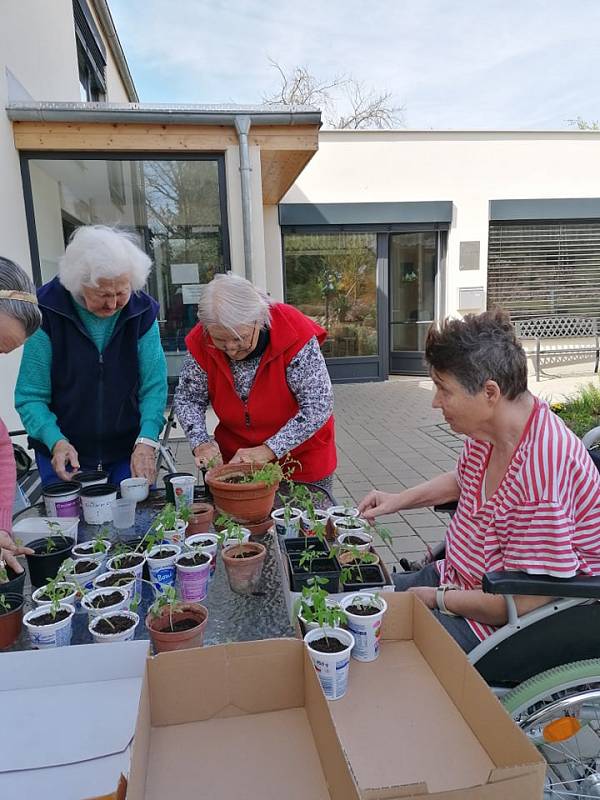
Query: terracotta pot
{"type": "Point", "coordinates": [243, 502]}
{"type": "Point", "coordinates": [201, 519]}
{"type": "Point", "coordinates": [165, 640]}
{"type": "Point", "coordinates": [244, 573]}
{"type": "Point", "coordinates": [11, 623]}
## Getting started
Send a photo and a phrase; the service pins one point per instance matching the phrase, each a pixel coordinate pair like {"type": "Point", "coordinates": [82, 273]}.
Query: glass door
{"type": "Point", "coordinates": [413, 262]}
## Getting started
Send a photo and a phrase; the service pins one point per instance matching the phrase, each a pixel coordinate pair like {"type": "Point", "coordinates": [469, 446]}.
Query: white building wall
{"type": "Point", "coordinates": [467, 168]}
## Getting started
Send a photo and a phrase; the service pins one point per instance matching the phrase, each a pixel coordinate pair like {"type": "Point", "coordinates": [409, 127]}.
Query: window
{"type": "Point", "coordinates": [91, 54]}
{"type": "Point", "coordinates": [332, 278]}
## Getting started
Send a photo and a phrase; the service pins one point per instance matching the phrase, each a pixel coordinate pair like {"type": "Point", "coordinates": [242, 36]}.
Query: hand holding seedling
{"type": "Point", "coordinates": [64, 455]}
{"type": "Point", "coordinates": [9, 549]}
{"type": "Point", "coordinates": [254, 455]}
{"type": "Point", "coordinates": [207, 455]}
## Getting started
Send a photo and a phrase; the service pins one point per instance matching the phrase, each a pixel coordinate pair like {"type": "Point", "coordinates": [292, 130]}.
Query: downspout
{"type": "Point", "coordinates": [242, 126]}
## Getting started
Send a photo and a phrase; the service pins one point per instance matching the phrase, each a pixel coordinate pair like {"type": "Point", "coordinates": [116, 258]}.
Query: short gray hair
{"type": "Point", "coordinates": [231, 300]}
{"type": "Point", "coordinates": [97, 251]}
{"type": "Point", "coordinates": [15, 279]}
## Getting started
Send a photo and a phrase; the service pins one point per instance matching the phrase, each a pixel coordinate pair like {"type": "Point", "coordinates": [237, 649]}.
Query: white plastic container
{"type": "Point", "coordinates": [96, 502]}
{"type": "Point", "coordinates": [365, 629]}
{"type": "Point", "coordinates": [106, 638]}
{"type": "Point", "coordinates": [193, 580]}
{"type": "Point", "coordinates": [85, 579]}
{"type": "Point", "coordinates": [290, 529]}
{"type": "Point", "coordinates": [86, 603]}
{"type": "Point", "coordinates": [344, 534]}
{"type": "Point", "coordinates": [339, 512]}
{"type": "Point", "coordinates": [62, 498]}
{"type": "Point", "coordinates": [123, 513]}
{"type": "Point", "coordinates": [70, 599]}
{"type": "Point", "coordinates": [177, 535]}
{"type": "Point", "coordinates": [128, 587]}
{"type": "Point", "coordinates": [162, 570]}
{"type": "Point", "coordinates": [28, 529]}
{"type": "Point", "coordinates": [135, 489]}
{"type": "Point", "coordinates": [332, 668]}
{"type": "Point", "coordinates": [81, 551]}
{"type": "Point", "coordinates": [57, 634]}
{"type": "Point", "coordinates": [320, 516]}
{"type": "Point", "coordinates": [183, 490]}
{"type": "Point", "coordinates": [112, 565]}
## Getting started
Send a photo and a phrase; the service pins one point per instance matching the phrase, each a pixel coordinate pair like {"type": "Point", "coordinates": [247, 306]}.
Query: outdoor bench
{"type": "Point", "coordinates": [549, 335]}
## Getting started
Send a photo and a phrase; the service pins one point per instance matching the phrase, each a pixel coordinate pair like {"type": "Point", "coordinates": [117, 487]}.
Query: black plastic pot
{"type": "Point", "coordinates": [297, 545]}
{"type": "Point", "coordinates": [15, 583]}
{"type": "Point", "coordinates": [92, 476]}
{"type": "Point", "coordinates": [11, 622]}
{"type": "Point", "coordinates": [373, 578]}
{"type": "Point", "coordinates": [169, 496]}
{"type": "Point", "coordinates": [44, 565]}
{"type": "Point", "coordinates": [327, 568]}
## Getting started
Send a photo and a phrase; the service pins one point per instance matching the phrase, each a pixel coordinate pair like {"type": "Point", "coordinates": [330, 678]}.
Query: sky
{"type": "Point", "coordinates": [498, 64]}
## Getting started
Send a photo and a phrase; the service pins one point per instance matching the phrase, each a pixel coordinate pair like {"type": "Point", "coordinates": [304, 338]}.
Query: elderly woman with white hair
{"type": "Point", "coordinates": [259, 365]}
{"type": "Point", "coordinates": [92, 386]}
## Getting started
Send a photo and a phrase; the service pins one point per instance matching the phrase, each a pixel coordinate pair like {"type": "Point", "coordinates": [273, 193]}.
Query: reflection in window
{"type": "Point", "coordinates": [332, 278]}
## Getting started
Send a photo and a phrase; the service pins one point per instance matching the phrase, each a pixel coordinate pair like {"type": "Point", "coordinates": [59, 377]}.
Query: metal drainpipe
{"type": "Point", "coordinates": [242, 126]}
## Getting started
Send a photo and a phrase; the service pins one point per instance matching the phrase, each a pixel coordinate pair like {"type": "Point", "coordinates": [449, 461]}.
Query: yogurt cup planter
{"type": "Point", "coordinates": [49, 554]}
{"type": "Point", "coordinates": [308, 521]}
{"type": "Point", "coordinates": [102, 601]}
{"type": "Point", "coordinates": [193, 573]}
{"type": "Point", "coordinates": [69, 592]}
{"type": "Point", "coordinates": [178, 626]}
{"type": "Point", "coordinates": [311, 626]}
{"type": "Point", "coordinates": [329, 650]}
{"type": "Point", "coordinates": [91, 477]}
{"type": "Point", "coordinates": [290, 527]}
{"type": "Point", "coordinates": [86, 551]}
{"type": "Point", "coordinates": [123, 513]}
{"type": "Point", "coordinates": [96, 502]}
{"type": "Point", "coordinates": [114, 626]}
{"type": "Point", "coordinates": [364, 614]}
{"type": "Point", "coordinates": [136, 489]}
{"type": "Point", "coordinates": [129, 562]}
{"type": "Point", "coordinates": [207, 543]}
{"type": "Point", "coordinates": [176, 535]}
{"type": "Point", "coordinates": [244, 565]}
{"type": "Point", "coordinates": [161, 565]}
{"type": "Point", "coordinates": [11, 618]}
{"type": "Point", "coordinates": [84, 571]}
{"type": "Point", "coordinates": [245, 501]}
{"type": "Point", "coordinates": [342, 512]}
{"type": "Point", "coordinates": [169, 496]}
{"type": "Point", "coordinates": [48, 630]}
{"type": "Point", "coordinates": [358, 538]}
{"type": "Point", "coordinates": [183, 490]}
{"type": "Point", "coordinates": [201, 517]}
{"type": "Point", "coordinates": [123, 579]}
{"type": "Point", "coordinates": [62, 498]}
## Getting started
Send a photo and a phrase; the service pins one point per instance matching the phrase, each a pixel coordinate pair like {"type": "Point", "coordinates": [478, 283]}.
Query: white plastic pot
{"type": "Point", "coordinates": [176, 535]}
{"type": "Point", "coordinates": [128, 587]}
{"type": "Point", "coordinates": [30, 528]}
{"type": "Point", "coordinates": [319, 515]}
{"type": "Point", "coordinates": [183, 490]}
{"type": "Point", "coordinates": [292, 527]}
{"type": "Point", "coordinates": [339, 512]}
{"type": "Point", "coordinates": [62, 499]}
{"type": "Point", "coordinates": [70, 598]}
{"type": "Point", "coordinates": [162, 570]}
{"type": "Point", "coordinates": [96, 501]}
{"type": "Point", "coordinates": [112, 565]}
{"type": "Point", "coordinates": [193, 581]}
{"type": "Point", "coordinates": [86, 603]}
{"type": "Point", "coordinates": [57, 634]}
{"type": "Point", "coordinates": [344, 534]}
{"type": "Point", "coordinates": [105, 638]}
{"type": "Point", "coordinates": [80, 552]}
{"type": "Point", "coordinates": [135, 489]}
{"type": "Point", "coordinates": [85, 579]}
{"type": "Point", "coordinates": [332, 668]}
{"type": "Point", "coordinates": [365, 629]}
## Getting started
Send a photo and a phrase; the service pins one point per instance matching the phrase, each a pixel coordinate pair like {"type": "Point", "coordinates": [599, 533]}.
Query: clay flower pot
{"type": "Point", "coordinates": [246, 503]}
{"type": "Point", "coordinates": [164, 639]}
{"type": "Point", "coordinates": [201, 519]}
{"type": "Point", "coordinates": [11, 621]}
{"type": "Point", "coordinates": [244, 573]}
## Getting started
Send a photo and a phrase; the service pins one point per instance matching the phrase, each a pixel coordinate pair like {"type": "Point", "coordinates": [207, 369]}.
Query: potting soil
{"type": "Point", "coordinates": [48, 619]}
{"type": "Point", "coordinates": [116, 624]}
{"type": "Point", "coordinates": [114, 579]}
{"type": "Point", "coordinates": [128, 562]}
{"type": "Point", "coordinates": [181, 625]}
{"type": "Point", "coordinates": [327, 645]}
{"type": "Point", "coordinates": [354, 540]}
{"type": "Point", "coordinates": [363, 611]}
{"type": "Point", "coordinates": [81, 567]}
{"type": "Point", "coordinates": [194, 560]}
{"type": "Point", "coordinates": [106, 600]}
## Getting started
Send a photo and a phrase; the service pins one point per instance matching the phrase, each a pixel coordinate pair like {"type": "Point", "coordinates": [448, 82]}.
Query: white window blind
{"type": "Point", "coordinates": [545, 269]}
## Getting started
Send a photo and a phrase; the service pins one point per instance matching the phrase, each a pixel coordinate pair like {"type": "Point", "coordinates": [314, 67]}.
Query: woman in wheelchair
{"type": "Point", "coordinates": [528, 493]}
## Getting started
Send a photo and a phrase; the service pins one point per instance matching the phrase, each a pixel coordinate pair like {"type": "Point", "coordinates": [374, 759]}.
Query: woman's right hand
{"type": "Point", "coordinates": [377, 503]}
{"type": "Point", "coordinates": [206, 452]}
{"type": "Point", "coordinates": [63, 454]}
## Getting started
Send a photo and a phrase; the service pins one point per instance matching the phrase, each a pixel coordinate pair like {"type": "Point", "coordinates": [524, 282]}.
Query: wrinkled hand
{"type": "Point", "coordinates": [254, 455]}
{"type": "Point", "coordinates": [63, 454]}
{"type": "Point", "coordinates": [9, 549]}
{"type": "Point", "coordinates": [203, 453]}
{"type": "Point", "coordinates": [427, 594]}
{"type": "Point", "coordinates": [143, 462]}
{"type": "Point", "coordinates": [377, 503]}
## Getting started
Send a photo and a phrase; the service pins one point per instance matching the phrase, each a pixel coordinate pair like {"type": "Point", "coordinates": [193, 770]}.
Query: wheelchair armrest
{"type": "Point", "coordinates": [447, 508]}
{"type": "Point", "coordinates": [507, 582]}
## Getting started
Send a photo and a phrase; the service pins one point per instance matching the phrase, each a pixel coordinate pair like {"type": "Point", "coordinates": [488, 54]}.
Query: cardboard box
{"type": "Point", "coordinates": [69, 715]}
{"type": "Point", "coordinates": [249, 720]}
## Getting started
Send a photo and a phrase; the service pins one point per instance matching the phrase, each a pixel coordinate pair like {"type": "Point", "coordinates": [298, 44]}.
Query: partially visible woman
{"type": "Point", "coordinates": [259, 364]}
{"type": "Point", "coordinates": [19, 318]}
{"type": "Point", "coordinates": [92, 387]}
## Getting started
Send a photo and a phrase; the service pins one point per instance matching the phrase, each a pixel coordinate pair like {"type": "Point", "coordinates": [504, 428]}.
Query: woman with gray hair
{"type": "Point", "coordinates": [259, 364]}
{"type": "Point", "coordinates": [19, 318]}
{"type": "Point", "coordinates": [92, 386]}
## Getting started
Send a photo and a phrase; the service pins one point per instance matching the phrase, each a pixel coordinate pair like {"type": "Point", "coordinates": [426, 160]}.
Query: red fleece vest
{"type": "Point", "coordinates": [271, 403]}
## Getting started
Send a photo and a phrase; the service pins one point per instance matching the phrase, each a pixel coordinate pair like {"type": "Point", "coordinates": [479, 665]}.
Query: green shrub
{"type": "Point", "coordinates": [581, 411]}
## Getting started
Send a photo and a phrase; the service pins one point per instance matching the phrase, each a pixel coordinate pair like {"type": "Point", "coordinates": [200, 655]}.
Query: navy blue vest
{"type": "Point", "coordinates": [95, 395]}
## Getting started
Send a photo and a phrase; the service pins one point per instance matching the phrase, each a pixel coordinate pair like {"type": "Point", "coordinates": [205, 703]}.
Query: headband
{"type": "Point", "coordinates": [11, 294]}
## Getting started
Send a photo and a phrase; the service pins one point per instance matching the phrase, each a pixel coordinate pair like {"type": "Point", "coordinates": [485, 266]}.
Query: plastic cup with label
{"type": "Point", "coordinates": [183, 490]}
{"type": "Point", "coordinates": [123, 513]}
{"type": "Point", "coordinates": [332, 667]}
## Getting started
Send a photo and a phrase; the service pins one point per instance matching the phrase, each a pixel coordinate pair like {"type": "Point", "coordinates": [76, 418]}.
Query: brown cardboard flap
{"type": "Point", "coordinates": [398, 624]}
{"type": "Point", "coordinates": [197, 684]}
{"type": "Point", "coordinates": [396, 792]}
{"type": "Point", "coordinates": [526, 787]}
{"type": "Point", "coordinates": [141, 744]}
{"type": "Point", "coordinates": [397, 720]}
{"type": "Point", "coordinates": [337, 771]}
{"type": "Point", "coordinates": [256, 757]}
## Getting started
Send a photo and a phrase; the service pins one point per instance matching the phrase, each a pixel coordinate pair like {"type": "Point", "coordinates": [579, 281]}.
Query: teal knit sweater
{"type": "Point", "coordinates": [33, 391]}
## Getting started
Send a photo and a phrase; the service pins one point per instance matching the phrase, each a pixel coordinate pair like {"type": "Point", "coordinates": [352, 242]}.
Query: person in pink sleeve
{"type": "Point", "coordinates": [19, 318]}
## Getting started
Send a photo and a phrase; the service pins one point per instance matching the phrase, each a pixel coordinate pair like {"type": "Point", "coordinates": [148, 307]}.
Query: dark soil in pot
{"type": "Point", "coordinates": [163, 554]}
{"type": "Point", "coordinates": [372, 578]}
{"type": "Point", "coordinates": [128, 561]}
{"type": "Point", "coordinates": [15, 582]}
{"type": "Point", "coordinates": [114, 579]}
{"type": "Point", "coordinates": [354, 540]}
{"type": "Point", "coordinates": [44, 565]}
{"type": "Point", "coordinates": [181, 625]}
{"type": "Point", "coordinates": [106, 600]}
{"type": "Point", "coordinates": [243, 502]}
{"type": "Point", "coordinates": [11, 621]}
{"type": "Point", "coordinates": [192, 616]}
{"type": "Point", "coordinates": [328, 644]}
{"type": "Point", "coordinates": [81, 567]}
{"type": "Point", "coordinates": [363, 611]}
{"type": "Point", "coordinates": [327, 568]}
{"type": "Point", "coordinates": [117, 624]}
{"type": "Point", "coordinates": [195, 560]}
{"type": "Point", "coordinates": [48, 619]}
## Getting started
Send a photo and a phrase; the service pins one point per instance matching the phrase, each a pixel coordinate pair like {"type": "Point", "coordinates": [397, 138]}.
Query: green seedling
{"type": "Point", "coordinates": [99, 545]}
{"type": "Point", "coordinates": [229, 529]}
{"type": "Point", "coordinates": [3, 573]}
{"type": "Point", "coordinates": [366, 601]}
{"type": "Point", "coordinates": [4, 605]}
{"type": "Point", "coordinates": [313, 607]}
{"type": "Point", "coordinates": [352, 573]}
{"type": "Point", "coordinates": [308, 555]}
{"type": "Point", "coordinates": [168, 599]}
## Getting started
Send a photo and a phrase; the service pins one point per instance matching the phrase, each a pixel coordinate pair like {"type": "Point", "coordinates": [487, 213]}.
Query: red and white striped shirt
{"type": "Point", "coordinates": [544, 517]}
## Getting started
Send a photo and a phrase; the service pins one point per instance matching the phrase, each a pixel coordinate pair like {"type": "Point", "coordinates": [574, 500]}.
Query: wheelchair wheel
{"type": "Point", "coordinates": [559, 711]}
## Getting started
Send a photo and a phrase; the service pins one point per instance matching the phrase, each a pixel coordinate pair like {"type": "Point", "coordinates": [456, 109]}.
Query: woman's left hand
{"type": "Point", "coordinates": [143, 462]}
{"type": "Point", "coordinates": [9, 549]}
{"type": "Point", "coordinates": [254, 455]}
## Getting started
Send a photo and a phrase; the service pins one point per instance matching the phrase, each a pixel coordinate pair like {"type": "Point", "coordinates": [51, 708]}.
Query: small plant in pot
{"type": "Point", "coordinates": [201, 517]}
{"type": "Point", "coordinates": [121, 580]}
{"type": "Point", "coordinates": [337, 513]}
{"type": "Point", "coordinates": [97, 549]}
{"type": "Point", "coordinates": [58, 588]}
{"type": "Point", "coordinates": [99, 601]}
{"type": "Point", "coordinates": [169, 525]}
{"type": "Point", "coordinates": [207, 543]}
{"type": "Point", "coordinates": [313, 561]}
{"type": "Point", "coordinates": [329, 649]}
{"type": "Point", "coordinates": [130, 562]}
{"type": "Point", "coordinates": [11, 618]}
{"type": "Point", "coordinates": [161, 565]}
{"type": "Point", "coordinates": [243, 561]}
{"type": "Point", "coordinates": [82, 571]}
{"type": "Point", "coordinates": [364, 612]}
{"type": "Point", "coordinates": [360, 572]}
{"type": "Point", "coordinates": [193, 573]}
{"type": "Point", "coordinates": [354, 531]}
{"type": "Point", "coordinates": [50, 625]}
{"type": "Point", "coordinates": [245, 492]}
{"type": "Point", "coordinates": [175, 625]}
{"type": "Point", "coordinates": [315, 609]}
{"type": "Point", "coordinates": [113, 626]}
{"type": "Point", "coordinates": [296, 501]}
{"type": "Point", "coordinates": [48, 554]}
